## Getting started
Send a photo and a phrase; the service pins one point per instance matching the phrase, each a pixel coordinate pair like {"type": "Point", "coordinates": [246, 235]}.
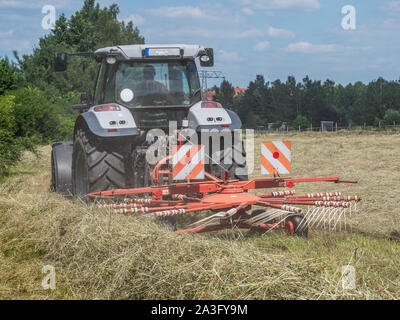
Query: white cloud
{"type": "Point", "coordinates": [202, 32]}
{"type": "Point", "coordinates": [16, 44]}
{"type": "Point", "coordinates": [262, 46]}
{"type": "Point", "coordinates": [6, 33]}
{"type": "Point", "coordinates": [280, 33]}
{"type": "Point", "coordinates": [248, 11]}
{"type": "Point", "coordinates": [137, 20]}
{"type": "Point", "coordinates": [248, 33]}
{"type": "Point", "coordinates": [308, 47]}
{"type": "Point", "coordinates": [58, 4]}
{"type": "Point", "coordinates": [179, 12]}
{"type": "Point", "coordinates": [12, 4]}
{"type": "Point", "coordinates": [392, 7]}
{"type": "Point", "coordinates": [283, 4]}
{"type": "Point", "coordinates": [225, 56]}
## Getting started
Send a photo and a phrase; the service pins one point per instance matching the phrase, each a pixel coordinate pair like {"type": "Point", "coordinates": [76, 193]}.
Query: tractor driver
{"type": "Point", "coordinates": [150, 89]}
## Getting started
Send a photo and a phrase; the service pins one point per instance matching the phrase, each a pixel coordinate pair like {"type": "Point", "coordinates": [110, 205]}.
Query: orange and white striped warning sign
{"type": "Point", "coordinates": [188, 162]}
{"type": "Point", "coordinates": [275, 157]}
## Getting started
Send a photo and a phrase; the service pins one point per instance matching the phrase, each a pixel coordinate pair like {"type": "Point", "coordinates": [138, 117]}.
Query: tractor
{"type": "Point", "coordinates": [147, 94]}
{"type": "Point", "coordinates": [139, 88]}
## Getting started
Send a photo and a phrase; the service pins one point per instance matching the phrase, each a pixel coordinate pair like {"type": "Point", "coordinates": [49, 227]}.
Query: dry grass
{"type": "Point", "coordinates": [371, 158]}
{"type": "Point", "coordinates": [99, 255]}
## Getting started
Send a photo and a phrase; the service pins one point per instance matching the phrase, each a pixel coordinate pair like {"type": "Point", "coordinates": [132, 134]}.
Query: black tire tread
{"type": "Point", "coordinates": [106, 166]}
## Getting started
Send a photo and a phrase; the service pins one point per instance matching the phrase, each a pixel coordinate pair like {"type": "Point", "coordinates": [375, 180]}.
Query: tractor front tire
{"type": "Point", "coordinates": [98, 164]}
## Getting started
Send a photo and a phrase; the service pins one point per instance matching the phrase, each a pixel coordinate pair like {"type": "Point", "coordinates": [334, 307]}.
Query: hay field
{"type": "Point", "coordinates": [100, 255]}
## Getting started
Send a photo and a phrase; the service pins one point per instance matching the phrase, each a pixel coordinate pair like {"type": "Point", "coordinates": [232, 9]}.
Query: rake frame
{"type": "Point", "coordinates": [228, 199]}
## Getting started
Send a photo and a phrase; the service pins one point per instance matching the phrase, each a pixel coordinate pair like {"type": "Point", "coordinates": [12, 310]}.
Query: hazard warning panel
{"type": "Point", "coordinates": [275, 157]}
{"type": "Point", "coordinates": [188, 162]}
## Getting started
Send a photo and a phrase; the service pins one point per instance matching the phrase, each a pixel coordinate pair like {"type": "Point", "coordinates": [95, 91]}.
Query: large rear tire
{"type": "Point", "coordinates": [99, 164]}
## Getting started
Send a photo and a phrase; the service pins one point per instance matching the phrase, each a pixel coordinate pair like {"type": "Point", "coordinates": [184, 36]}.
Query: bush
{"type": "Point", "coordinates": [277, 124]}
{"type": "Point", "coordinates": [301, 121]}
{"type": "Point", "coordinates": [28, 118]}
{"type": "Point", "coordinates": [391, 117]}
{"type": "Point", "coordinates": [36, 116]}
{"type": "Point", "coordinates": [11, 147]}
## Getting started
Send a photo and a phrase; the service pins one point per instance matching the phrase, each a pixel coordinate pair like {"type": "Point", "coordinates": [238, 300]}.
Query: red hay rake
{"type": "Point", "coordinates": [229, 203]}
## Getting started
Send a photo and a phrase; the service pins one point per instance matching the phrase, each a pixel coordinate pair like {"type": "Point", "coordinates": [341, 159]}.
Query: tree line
{"type": "Point", "coordinates": [307, 102]}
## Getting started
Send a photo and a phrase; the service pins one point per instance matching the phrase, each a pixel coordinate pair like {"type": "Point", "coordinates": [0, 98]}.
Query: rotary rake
{"type": "Point", "coordinates": [228, 203]}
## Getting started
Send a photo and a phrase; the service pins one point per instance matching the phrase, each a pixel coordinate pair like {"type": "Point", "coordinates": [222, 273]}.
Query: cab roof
{"type": "Point", "coordinates": [137, 51]}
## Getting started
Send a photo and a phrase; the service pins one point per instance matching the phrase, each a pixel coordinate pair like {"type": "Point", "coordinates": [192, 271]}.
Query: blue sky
{"type": "Point", "coordinates": [275, 38]}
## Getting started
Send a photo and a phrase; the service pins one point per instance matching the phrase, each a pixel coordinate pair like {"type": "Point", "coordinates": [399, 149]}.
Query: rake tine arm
{"type": "Point", "coordinates": [346, 181]}
{"type": "Point", "coordinates": [318, 179]}
{"type": "Point", "coordinates": [278, 194]}
{"type": "Point", "coordinates": [202, 229]}
{"type": "Point", "coordinates": [335, 179]}
{"type": "Point", "coordinates": [275, 182]}
{"type": "Point", "coordinates": [178, 188]}
{"type": "Point", "coordinates": [277, 206]}
{"type": "Point", "coordinates": [211, 177]}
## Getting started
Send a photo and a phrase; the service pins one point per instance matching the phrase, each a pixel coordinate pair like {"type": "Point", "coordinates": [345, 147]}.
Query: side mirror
{"type": "Point", "coordinates": [60, 63]}
{"type": "Point", "coordinates": [86, 102]}
{"type": "Point", "coordinates": [207, 59]}
{"type": "Point", "coordinates": [86, 98]}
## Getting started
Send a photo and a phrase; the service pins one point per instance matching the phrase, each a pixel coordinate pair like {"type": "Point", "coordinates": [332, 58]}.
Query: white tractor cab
{"type": "Point", "coordinates": [138, 88]}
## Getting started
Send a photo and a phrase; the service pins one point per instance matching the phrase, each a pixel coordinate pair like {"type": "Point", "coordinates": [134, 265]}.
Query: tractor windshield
{"type": "Point", "coordinates": [152, 83]}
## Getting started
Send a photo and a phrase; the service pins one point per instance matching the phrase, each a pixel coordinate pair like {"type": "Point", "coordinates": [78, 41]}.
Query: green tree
{"type": "Point", "coordinates": [391, 117]}
{"type": "Point", "coordinates": [224, 94]}
{"type": "Point", "coordinates": [253, 121]}
{"type": "Point", "coordinates": [88, 29]}
{"type": "Point", "coordinates": [300, 122]}
{"type": "Point", "coordinates": [8, 77]}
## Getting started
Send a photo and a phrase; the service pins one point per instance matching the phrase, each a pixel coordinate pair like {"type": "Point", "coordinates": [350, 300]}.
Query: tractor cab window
{"type": "Point", "coordinates": [99, 93]}
{"type": "Point", "coordinates": [109, 85]}
{"type": "Point", "coordinates": [105, 86]}
{"type": "Point", "coordinates": [156, 83]}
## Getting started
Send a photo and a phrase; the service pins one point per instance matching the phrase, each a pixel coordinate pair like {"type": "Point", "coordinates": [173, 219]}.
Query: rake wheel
{"type": "Point", "coordinates": [297, 224]}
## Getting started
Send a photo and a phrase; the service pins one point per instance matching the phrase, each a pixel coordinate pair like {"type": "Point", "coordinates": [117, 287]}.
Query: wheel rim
{"type": "Point", "coordinates": [289, 227]}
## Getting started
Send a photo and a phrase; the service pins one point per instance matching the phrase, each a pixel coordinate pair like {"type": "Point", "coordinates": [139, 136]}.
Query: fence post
{"type": "Point", "coordinates": [336, 126]}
